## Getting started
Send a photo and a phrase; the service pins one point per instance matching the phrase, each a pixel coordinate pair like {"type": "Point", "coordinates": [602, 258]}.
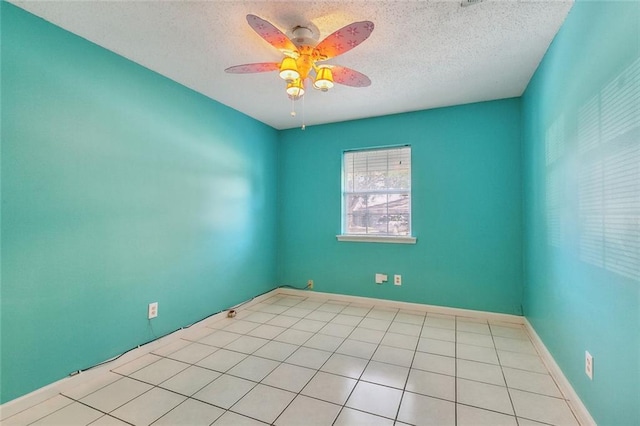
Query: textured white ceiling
{"type": "Point", "coordinates": [422, 54]}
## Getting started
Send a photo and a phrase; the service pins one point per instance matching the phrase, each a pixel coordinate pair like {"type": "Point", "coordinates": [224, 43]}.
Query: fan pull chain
{"type": "Point", "coordinates": [303, 125]}
{"type": "Point", "coordinates": [293, 107]}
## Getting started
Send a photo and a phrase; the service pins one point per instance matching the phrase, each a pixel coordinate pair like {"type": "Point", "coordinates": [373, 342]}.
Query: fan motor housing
{"type": "Point", "coordinates": [303, 36]}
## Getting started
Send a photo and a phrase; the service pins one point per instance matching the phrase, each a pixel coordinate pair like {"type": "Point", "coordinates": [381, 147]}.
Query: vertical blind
{"type": "Point", "coordinates": [377, 192]}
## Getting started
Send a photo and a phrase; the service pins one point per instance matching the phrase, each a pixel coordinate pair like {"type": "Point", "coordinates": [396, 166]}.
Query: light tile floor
{"type": "Point", "coordinates": [291, 360]}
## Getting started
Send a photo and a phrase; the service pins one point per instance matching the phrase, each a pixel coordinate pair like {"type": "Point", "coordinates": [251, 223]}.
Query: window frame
{"type": "Point", "coordinates": [373, 238]}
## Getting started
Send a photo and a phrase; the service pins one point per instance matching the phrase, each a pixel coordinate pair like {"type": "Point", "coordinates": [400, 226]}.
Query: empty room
{"type": "Point", "coordinates": [320, 213]}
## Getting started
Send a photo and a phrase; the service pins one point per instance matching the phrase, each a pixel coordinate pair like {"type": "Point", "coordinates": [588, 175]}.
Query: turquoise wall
{"type": "Point", "coordinates": [582, 205]}
{"type": "Point", "coordinates": [467, 208]}
{"type": "Point", "coordinates": [119, 188]}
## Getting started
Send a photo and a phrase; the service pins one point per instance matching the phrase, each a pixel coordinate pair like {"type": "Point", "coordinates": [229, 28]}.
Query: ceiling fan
{"type": "Point", "coordinates": [303, 54]}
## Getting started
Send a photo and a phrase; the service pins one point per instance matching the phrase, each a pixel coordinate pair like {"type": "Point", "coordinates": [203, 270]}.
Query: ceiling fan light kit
{"type": "Point", "coordinates": [289, 70]}
{"type": "Point", "coordinates": [301, 56]}
{"type": "Point", "coordinates": [324, 78]}
{"type": "Point", "coordinates": [295, 89]}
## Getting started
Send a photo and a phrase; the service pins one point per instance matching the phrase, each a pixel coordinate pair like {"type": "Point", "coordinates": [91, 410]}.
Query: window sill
{"type": "Point", "coordinates": [376, 239]}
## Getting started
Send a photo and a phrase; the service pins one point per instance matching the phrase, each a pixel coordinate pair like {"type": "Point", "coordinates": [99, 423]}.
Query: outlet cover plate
{"type": "Point", "coordinates": [588, 364]}
{"type": "Point", "coordinates": [153, 310]}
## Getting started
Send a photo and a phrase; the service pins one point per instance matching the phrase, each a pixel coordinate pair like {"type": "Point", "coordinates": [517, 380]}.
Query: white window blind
{"type": "Point", "coordinates": [376, 193]}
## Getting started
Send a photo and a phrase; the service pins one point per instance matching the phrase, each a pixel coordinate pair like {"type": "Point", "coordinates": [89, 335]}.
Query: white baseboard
{"type": "Point", "coordinates": [40, 395]}
{"type": "Point", "coordinates": [579, 409]}
{"type": "Point", "coordinates": [514, 319]}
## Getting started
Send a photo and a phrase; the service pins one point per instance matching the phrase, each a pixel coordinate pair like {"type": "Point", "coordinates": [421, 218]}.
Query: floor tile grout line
{"type": "Point", "coordinates": [241, 398]}
{"type": "Point", "coordinates": [153, 386]}
{"type": "Point", "coordinates": [255, 383]}
{"type": "Point", "coordinates": [271, 371]}
{"type": "Point", "coordinates": [317, 333]}
{"type": "Point", "coordinates": [122, 405]}
{"type": "Point", "coordinates": [105, 414]}
{"type": "Point", "coordinates": [317, 370]}
{"type": "Point", "coordinates": [455, 371]}
{"type": "Point", "coordinates": [555, 382]}
{"type": "Point", "coordinates": [244, 415]}
{"type": "Point", "coordinates": [493, 411]}
{"type": "Point", "coordinates": [406, 381]}
{"type": "Point", "coordinates": [48, 414]}
{"type": "Point", "coordinates": [537, 421]}
{"type": "Point", "coordinates": [380, 344]}
{"type": "Point", "coordinates": [504, 378]}
{"type": "Point", "coordinates": [176, 407]}
{"type": "Point", "coordinates": [103, 387]}
{"type": "Point", "coordinates": [363, 370]}
{"type": "Point", "coordinates": [455, 351]}
{"type": "Point", "coordinates": [501, 371]}
{"type": "Point", "coordinates": [356, 384]}
{"type": "Point", "coordinates": [301, 345]}
{"type": "Point", "coordinates": [14, 415]}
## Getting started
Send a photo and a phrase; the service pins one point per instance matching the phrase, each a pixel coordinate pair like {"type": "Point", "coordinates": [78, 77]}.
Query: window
{"type": "Point", "coordinates": [376, 195]}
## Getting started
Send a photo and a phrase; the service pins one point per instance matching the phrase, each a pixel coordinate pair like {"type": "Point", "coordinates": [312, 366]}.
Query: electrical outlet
{"type": "Point", "coordinates": [153, 310]}
{"type": "Point", "coordinates": [397, 279]}
{"type": "Point", "coordinates": [588, 365]}
{"type": "Point", "coordinates": [310, 284]}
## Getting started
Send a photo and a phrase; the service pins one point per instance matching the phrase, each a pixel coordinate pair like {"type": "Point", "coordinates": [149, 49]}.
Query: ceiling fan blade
{"type": "Point", "coordinates": [345, 39]}
{"type": "Point", "coordinates": [349, 77]}
{"type": "Point", "coordinates": [271, 34]}
{"type": "Point", "coordinates": [251, 68]}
